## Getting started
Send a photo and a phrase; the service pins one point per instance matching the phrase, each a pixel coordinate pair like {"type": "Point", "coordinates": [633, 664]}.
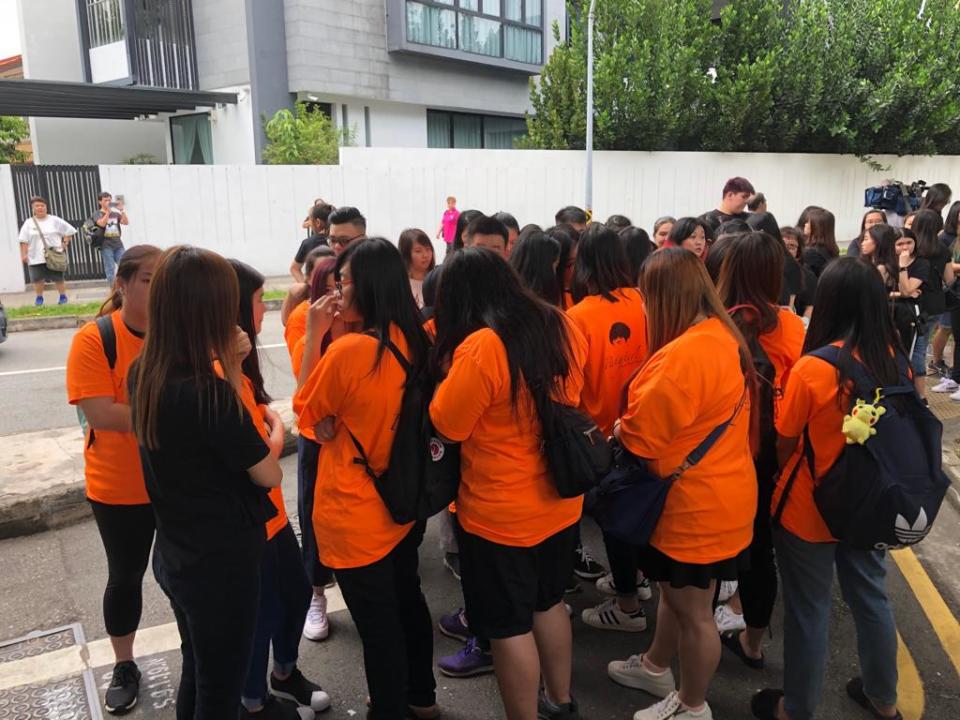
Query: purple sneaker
{"type": "Point", "coordinates": [470, 661]}
{"type": "Point", "coordinates": [454, 625]}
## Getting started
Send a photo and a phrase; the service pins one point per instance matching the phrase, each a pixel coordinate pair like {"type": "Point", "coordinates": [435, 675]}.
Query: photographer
{"type": "Point", "coordinates": [105, 231]}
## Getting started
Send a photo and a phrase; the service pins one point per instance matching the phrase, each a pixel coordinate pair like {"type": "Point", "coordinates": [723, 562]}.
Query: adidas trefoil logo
{"type": "Point", "coordinates": [912, 534]}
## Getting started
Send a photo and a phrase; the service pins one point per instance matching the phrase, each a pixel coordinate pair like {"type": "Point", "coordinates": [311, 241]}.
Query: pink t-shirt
{"type": "Point", "coordinates": [450, 218]}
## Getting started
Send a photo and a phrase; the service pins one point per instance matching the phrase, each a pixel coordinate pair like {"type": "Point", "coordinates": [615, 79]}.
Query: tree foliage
{"type": "Point", "coordinates": [831, 76]}
{"type": "Point", "coordinates": [303, 137]}
{"type": "Point", "coordinates": [13, 131]}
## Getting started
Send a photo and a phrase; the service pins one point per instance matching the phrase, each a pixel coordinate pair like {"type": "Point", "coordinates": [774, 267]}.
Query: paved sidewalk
{"type": "Point", "coordinates": [41, 477]}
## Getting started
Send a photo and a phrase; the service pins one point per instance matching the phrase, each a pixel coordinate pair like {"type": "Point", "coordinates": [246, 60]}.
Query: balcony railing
{"type": "Point", "coordinates": [105, 22]}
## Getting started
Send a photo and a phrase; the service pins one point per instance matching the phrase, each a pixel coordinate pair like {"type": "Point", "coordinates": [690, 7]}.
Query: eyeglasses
{"type": "Point", "coordinates": [340, 285]}
{"type": "Point", "coordinates": [343, 242]}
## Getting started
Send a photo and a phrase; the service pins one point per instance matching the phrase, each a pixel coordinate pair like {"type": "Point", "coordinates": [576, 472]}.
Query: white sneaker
{"type": "Point", "coordinates": [727, 620]}
{"type": "Point", "coordinates": [631, 673]}
{"type": "Point", "coordinates": [608, 616]}
{"type": "Point", "coordinates": [955, 396]}
{"type": "Point", "coordinates": [671, 707]}
{"type": "Point", "coordinates": [644, 592]}
{"type": "Point", "coordinates": [317, 626]}
{"type": "Point", "coordinates": [728, 589]}
{"type": "Point", "coordinates": [945, 386]}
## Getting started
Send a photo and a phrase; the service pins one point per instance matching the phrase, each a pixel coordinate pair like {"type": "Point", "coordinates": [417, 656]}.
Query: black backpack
{"type": "Point", "coordinates": [887, 492]}
{"type": "Point", "coordinates": [578, 455]}
{"type": "Point", "coordinates": [108, 336]}
{"type": "Point", "coordinates": [423, 474]}
{"type": "Point", "coordinates": [767, 391]}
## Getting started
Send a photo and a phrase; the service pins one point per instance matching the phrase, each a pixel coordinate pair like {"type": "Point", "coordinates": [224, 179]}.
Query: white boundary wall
{"type": "Point", "coordinates": [254, 212]}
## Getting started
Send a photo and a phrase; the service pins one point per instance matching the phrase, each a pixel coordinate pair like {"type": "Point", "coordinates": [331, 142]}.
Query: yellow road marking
{"type": "Point", "coordinates": [910, 699]}
{"type": "Point", "coordinates": [945, 625]}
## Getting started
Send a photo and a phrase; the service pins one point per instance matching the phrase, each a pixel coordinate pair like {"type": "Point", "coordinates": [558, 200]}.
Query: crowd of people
{"type": "Point", "coordinates": [663, 342]}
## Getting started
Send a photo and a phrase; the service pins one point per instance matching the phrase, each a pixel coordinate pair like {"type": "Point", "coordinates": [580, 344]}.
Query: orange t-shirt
{"type": "Point", "coordinates": [112, 461]}
{"type": "Point", "coordinates": [616, 334]}
{"type": "Point", "coordinates": [296, 326]}
{"type": "Point", "coordinates": [430, 328]}
{"type": "Point", "coordinates": [784, 346]}
{"type": "Point", "coordinates": [278, 521]}
{"type": "Point", "coordinates": [353, 526]}
{"type": "Point", "coordinates": [506, 495]}
{"type": "Point", "coordinates": [296, 360]}
{"type": "Point", "coordinates": [566, 301]}
{"type": "Point", "coordinates": [686, 389]}
{"type": "Point", "coordinates": [810, 401]}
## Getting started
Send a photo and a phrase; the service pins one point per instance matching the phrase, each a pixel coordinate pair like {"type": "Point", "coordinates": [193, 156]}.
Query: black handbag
{"type": "Point", "coordinates": [577, 453]}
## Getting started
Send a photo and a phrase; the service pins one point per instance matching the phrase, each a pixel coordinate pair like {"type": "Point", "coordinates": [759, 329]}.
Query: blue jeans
{"type": "Point", "coordinates": [806, 570]}
{"type": "Point", "coordinates": [284, 599]}
{"type": "Point", "coordinates": [919, 358]}
{"type": "Point", "coordinates": [111, 258]}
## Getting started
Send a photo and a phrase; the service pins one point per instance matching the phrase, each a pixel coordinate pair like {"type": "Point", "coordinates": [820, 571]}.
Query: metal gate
{"type": "Point", "coordinates": [71, 192]}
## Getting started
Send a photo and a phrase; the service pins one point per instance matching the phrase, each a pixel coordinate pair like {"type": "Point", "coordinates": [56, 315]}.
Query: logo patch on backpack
{"type": "Point", "coordinates": [436, 449]}
{"type": "Point", "coordinates": [912, 534]}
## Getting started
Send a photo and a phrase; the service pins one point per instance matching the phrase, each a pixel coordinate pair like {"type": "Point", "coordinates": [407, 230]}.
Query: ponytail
{"type": "Point", "coordinates": [130, 263]}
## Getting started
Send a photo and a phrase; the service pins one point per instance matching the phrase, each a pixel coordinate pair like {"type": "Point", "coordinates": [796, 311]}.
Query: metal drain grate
{"type": "Point", "coordinates": [37, 644]}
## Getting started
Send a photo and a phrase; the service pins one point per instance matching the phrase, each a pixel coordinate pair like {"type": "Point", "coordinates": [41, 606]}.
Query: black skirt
{"type": "Point", "coordinates": [661, 568]}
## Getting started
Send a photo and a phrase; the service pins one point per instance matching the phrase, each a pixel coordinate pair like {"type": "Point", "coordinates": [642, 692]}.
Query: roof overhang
{"type": "Point", "coordinates": [46, 98]}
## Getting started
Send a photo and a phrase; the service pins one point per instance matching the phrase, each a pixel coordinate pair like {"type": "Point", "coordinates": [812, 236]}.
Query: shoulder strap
{"type": "Point", "coordinates": [108, 336]}
{"type": "Point", "coordinates": [404, 363]}
{"type": "Point", "coordinates": [43, 238]}
{"type": "Point", "coordinates": [362, 460]}
{"type": "Point", "coordinates": [808, 455]}
{"type": "Point", "coordinates": [704, 447]}
{"type": "Point", "coordinates": [866, 384]}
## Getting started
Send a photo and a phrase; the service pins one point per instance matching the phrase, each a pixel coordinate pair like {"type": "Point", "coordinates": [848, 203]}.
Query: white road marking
{"type": "Point", "coordinates": [274, 345]}
{"type": "Point", "coordinates": [99, 653]}
{"type": "Point", "coordinates": [32, 371]}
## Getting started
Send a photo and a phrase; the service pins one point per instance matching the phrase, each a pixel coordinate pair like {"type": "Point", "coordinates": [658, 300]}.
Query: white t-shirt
{"type": "Point", "coordinates": [416, 287]}
{"type": "Point", "coordinates": [54, 231]}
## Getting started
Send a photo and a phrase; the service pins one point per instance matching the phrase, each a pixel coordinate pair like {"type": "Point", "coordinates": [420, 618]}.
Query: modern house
{"type": "Point", "coordinates": [11, 68]}
{"type": "Point", "coordinates": [396, 73]}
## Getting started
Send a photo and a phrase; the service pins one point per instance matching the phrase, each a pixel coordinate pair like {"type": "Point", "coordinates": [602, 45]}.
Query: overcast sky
{"type": "Point", "coordinates": [9, 29]}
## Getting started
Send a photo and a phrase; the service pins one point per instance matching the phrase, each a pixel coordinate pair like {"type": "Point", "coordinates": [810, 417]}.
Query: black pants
{"type": "Point", "coordinates": [623, 559]}
{"type": "Point", "coordinates": [758, 585]}
{"type": "Point", "coordinates": [127, 535]}
{"type": "Point", "coordinates": [308, 453]}
{"type": "Point", "coordinates": [955, 329]}
{"type": "Point", "coordinates": [395, 628]}
{"type": "Point", "coordinates": [216, 611]}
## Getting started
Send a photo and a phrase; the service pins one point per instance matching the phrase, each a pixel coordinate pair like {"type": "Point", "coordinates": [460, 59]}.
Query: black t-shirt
{"type": "Point", "coordinates": [716, 218]}
{"type": "Point", "coordinates": [816, 259]}
{"type": "Point", "coordinates": [792, 279]}
{"type": "Point", "coordinates": [948, 239]}
{"type": "Point", "coordinates": [807, 293]}
{"type": "Point", "coordinates": [206, 506]}
{"type": "Point", "coordinates": [932, 300]}
{"type": "Point", "coordinates": [307, 245]}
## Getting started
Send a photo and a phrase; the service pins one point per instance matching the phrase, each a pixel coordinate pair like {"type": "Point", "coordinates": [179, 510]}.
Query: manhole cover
{"type": "Point", "coordinates": [37, 644]}
{"type": "Point", "coordinates": [65, 698]}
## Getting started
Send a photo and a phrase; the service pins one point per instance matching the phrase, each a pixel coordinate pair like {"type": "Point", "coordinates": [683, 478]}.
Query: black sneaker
{"type": "Point", "coordinates": [856, 693]}
{"type": "Point", "coordinates": [124, 687]}
{"type": "Point", "coordinates": [572, 587]}
{"type": "Point", "coordinates": [546, 710]}
{"type": "Point", "coordinates": [585, 566]}
{"type": "Point", "coordinates": [276, 709]}
{"type": "Point", "coordinates": [939, 368]}
{"type": "Point", "coordinates": [451, 561]}
{"type": "Point", "coordinates": [300, 690]}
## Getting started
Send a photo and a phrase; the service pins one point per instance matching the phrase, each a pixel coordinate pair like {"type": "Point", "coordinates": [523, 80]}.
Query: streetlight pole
{"type": "Point", "coordinates": [591, 17]}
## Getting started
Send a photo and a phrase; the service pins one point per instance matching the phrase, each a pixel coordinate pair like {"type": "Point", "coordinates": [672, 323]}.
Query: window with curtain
{"type": "Point", "coordinates": [522, 45]}
{"type": "Point", "coordinates": [428, 25]}
{"type": "Point", "coordinates": [192, 139]}
{"type": "Point", "coordinates": [479, 35]}
{"type": "Point", "coordinates": [470, 131]}
{"type": "Point", "coordinates": [471, 26]}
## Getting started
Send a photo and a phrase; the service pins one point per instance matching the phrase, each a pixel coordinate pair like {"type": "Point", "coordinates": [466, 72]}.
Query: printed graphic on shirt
{"type": "Point", "coordinates": [619, 333]}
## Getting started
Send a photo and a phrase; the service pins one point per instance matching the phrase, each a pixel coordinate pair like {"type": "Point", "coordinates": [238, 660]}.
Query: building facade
{"type": "Point", "coordinates": [11, 68]}
{"type": "Point", "coordinates": [395, 73]}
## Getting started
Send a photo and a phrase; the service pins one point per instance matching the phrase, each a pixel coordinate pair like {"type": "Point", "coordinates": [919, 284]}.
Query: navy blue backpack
{"type": "Point", "coordinates": [887, 492]}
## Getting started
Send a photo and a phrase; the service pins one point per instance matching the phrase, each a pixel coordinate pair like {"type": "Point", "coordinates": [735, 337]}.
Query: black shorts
{"type": "Point", "coordinates": [41, 273]}
{"type": "Point", "coordinates": [503, 586]}
{"type": "Point", "coordinates": [662, 568]}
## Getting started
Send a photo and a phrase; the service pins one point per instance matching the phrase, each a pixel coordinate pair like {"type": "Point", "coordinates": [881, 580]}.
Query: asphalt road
{"type": "Point", "coordinates": [57, 578]}
{"type": "Point", "coordinates": [32, 376]}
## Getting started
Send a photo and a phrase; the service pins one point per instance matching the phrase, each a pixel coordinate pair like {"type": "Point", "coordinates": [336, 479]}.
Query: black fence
{"type": "Point", "coordinates": [71, 192]}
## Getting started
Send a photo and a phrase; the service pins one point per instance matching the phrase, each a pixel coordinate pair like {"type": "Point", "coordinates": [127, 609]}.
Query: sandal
{"type": "Point", "coordinates": [856, 693]}
{"type": "Point", "coordinates": [731, 641]}
{"type": "Point", "coordinates": [764, 704]}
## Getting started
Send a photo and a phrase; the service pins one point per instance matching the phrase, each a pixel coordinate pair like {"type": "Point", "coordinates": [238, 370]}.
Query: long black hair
{"type": "Point", "coordinates": [936, 198]}
{"type": "Point", "coordinates": [751, 279]}
{"type": "Point", "coordinates": [638, 246]}
{"type": "Point", "coordinates": [852, 306]}
{"type": "Point", "coordinates": [479, 290]}
{"type": "Point", "coordinates": [927, 225]}
{"type": "Point", "coordinates": [602, 266]}
{"type": "Point", "coordinates": [250, 280]}
{"type": "Point", "coordinates": [885, 240]}
{"type": "Point", "coordinates": [568, 237]}
{"type": "Point", "coordinates": [765, 222]}
{"type": "Point", "coordinates": [466, 217]}
{"type": "Point", "coordinates": [381, 295]}
{"type": "Point", "coordinates": [953, 219]}
{"type": "Point", "coordinates": [534, 257]}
